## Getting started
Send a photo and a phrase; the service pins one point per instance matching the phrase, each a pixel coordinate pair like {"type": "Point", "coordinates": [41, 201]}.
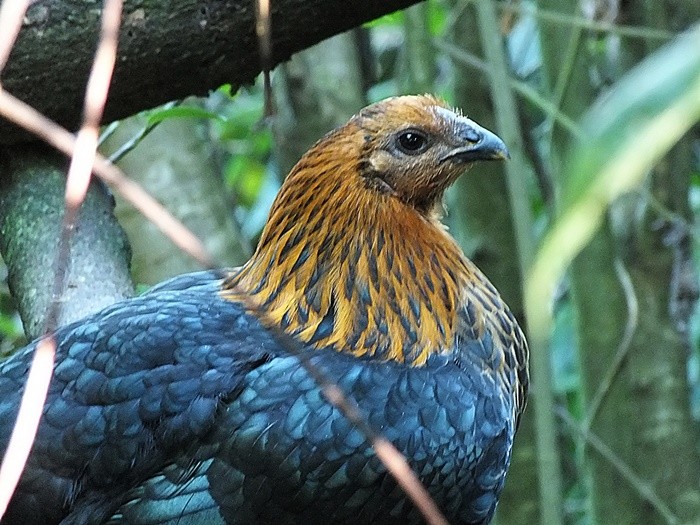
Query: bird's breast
{"type": "Point", "coordinates": [451, 423]}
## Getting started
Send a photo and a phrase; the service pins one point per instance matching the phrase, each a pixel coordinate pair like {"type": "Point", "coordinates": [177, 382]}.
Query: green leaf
{"type": "Point", "coordinates": [565, 371]}
{"type": "Point", "coordinates": [160, 115]}
{"type": "Point", "coordinates": [624, 135]}
{"type": "Point", "coordinates": [245, 175]}
{"type": "Point", "coordinates": [392, 19]}
{"type": "Point", "coordinates": [437, 18]}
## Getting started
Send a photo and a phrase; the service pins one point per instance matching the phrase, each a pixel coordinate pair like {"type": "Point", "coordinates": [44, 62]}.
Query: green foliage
{"type": "Point", "coordinates": [630, 129]}
{"type": "Point", "coordinates": [393, 19]}
{"type": "Point", "coordinates": [565, 371]}
{"type": "Point", "coordinates": [167, 112]}
{"type": "Point", "coordinates": [249, 169]}
{"type": "Point", "coordinates": [11, 334]}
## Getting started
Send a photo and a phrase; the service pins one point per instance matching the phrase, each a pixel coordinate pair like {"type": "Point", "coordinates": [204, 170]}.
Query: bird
{"type": "Point", "coordinates": [194, 402]}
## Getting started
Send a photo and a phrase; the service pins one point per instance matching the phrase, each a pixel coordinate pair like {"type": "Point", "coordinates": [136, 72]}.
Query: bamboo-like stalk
{"type": "Point", "coordinates": [509, 129]}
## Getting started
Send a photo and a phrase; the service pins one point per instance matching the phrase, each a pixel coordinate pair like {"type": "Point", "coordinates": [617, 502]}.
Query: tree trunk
{"type": "Point", "coordinates": [645, 417]}
{"type": "Point", "coordinates": [31, 211]}
{"type": "Point", "coordinates": [168, 50]}
{"type": "Point", "coordinates": [177, 163]}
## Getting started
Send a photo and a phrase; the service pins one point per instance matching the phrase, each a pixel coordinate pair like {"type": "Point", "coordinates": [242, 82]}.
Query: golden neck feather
{"type": "Point", "coordinates": [342, 265]}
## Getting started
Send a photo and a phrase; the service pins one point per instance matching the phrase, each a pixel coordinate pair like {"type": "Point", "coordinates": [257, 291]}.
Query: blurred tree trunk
{"type": "Point", "coordinates": [635, 389]}
{"type": "Point", "coordinates": [417, 66]}
{"type": "Point", "coordinates": [316, 91]}
{"type": "Point", "coordinates": [601, 314]}
{"type": "Point", "coordinates": [481, 222]}
{"type": "Point", "coordinates": [32, 190]}
{"type": "Point", "coordinates": [177, 162]}
{"type": "Point", "coordinates": [663, 445]}
{"type": "Point", "coordinates": [309, 101]}
{"type": "Point", "coordinates": [643, 414]}
{"type": "Point", "coordinates": [597, 297]}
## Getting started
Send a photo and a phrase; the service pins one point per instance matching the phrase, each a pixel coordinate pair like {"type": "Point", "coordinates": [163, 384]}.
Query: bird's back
{"type": "Point", "coordinates": [131, 384]}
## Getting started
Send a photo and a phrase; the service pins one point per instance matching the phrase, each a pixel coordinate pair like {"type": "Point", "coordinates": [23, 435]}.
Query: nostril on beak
{"type": "Point", "coordinates": [468, 133]}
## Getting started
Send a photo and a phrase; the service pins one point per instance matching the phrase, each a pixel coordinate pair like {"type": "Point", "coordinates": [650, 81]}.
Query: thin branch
{"type": "Point", "coordinates": [549, 476]}
{"type": "Point", "coordinates": [11, 17]}
{"type": "Point", "coordinates": [522, 88]}
{"type": "Point", "coordinates": [622, 349]}
{"type": "Point", "coordinates": [41, 370]}
{"type": "Point", "coordinates": [563, 80]}
{"type": "Point", "coordinates": [30, 119]}
{"type": "Point", "coordinates": [667, 214]}
{"type": "Point", "coordinates": [646, 491]}
{"type": "Point", "coordinates": [263, 30]}
{"type": "Point", "coordinates": [555, 17]}
{"type": "Point", "coordinates": [95, 99]}
{"type": "Point", "coordinates": [134, 141]}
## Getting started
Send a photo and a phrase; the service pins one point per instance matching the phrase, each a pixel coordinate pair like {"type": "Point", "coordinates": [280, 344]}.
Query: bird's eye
{"type": "Point", "coordinates": [412, 142]}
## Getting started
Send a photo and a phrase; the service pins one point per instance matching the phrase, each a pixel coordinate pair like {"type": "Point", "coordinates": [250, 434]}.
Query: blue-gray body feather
{"type": "Point", "coordinates": [180, 407]}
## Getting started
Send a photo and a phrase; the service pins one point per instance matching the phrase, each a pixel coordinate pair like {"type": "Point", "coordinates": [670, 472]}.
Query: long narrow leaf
{"type": "Point", "coordinates": [626, 133]}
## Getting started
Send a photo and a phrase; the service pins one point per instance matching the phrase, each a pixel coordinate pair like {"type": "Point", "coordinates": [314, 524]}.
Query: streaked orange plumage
{"type": "Point", "coordinates": [379, 257]}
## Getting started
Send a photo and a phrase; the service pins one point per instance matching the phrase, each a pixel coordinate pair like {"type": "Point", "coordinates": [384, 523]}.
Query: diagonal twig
{"type": "Point", "coordinates": [30, 119]}
{"type": "Point", "coordinates": [40, 372]}
{"type": "Point", "coordinates": [645, 490]}
{"type": "Point", "coordinates": [622, 349]}
{"type": "Point", "coordinates": [135, 140]}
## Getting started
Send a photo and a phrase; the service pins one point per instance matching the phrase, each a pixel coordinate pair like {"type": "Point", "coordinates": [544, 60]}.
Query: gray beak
{"type": "Point", "coordinates": [479, 144]}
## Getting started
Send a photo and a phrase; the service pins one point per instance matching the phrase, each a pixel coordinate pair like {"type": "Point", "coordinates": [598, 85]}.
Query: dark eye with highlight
{"type": "Point", "coordinates": [411, 142]}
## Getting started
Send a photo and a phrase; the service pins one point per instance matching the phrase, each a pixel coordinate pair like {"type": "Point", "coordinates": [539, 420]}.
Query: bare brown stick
{"type": "Point", "coordinates": [41, 369]}
{"type": "Point", "coordinates": [95, 99]}
{"type": "Point", "coordinates": [643, 487]}
{"type": "Point", "coordinates": [22, 437]}
{"type": "Point", "coordinates": [263, 30]}
{"type": "Point", "coordinates": [85, 148]}
{"type": "Point", "coordinates": [30, 119]}
{"type": "Point", "coordinates": [11, 16]}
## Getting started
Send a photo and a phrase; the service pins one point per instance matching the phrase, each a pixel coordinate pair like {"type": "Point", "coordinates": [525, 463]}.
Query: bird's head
{"type": "Point", "coordinates": [400, 153]}
{"type": "Point", "coordinates": [415, 147]}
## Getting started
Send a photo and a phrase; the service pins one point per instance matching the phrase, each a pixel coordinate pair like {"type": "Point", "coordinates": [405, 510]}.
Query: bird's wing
{"type": "Point", "coordinates": [133, 383]}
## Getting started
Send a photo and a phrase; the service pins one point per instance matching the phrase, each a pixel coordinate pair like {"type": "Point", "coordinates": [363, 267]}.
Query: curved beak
{"type": "Point", "coordinates": [479, 144]}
